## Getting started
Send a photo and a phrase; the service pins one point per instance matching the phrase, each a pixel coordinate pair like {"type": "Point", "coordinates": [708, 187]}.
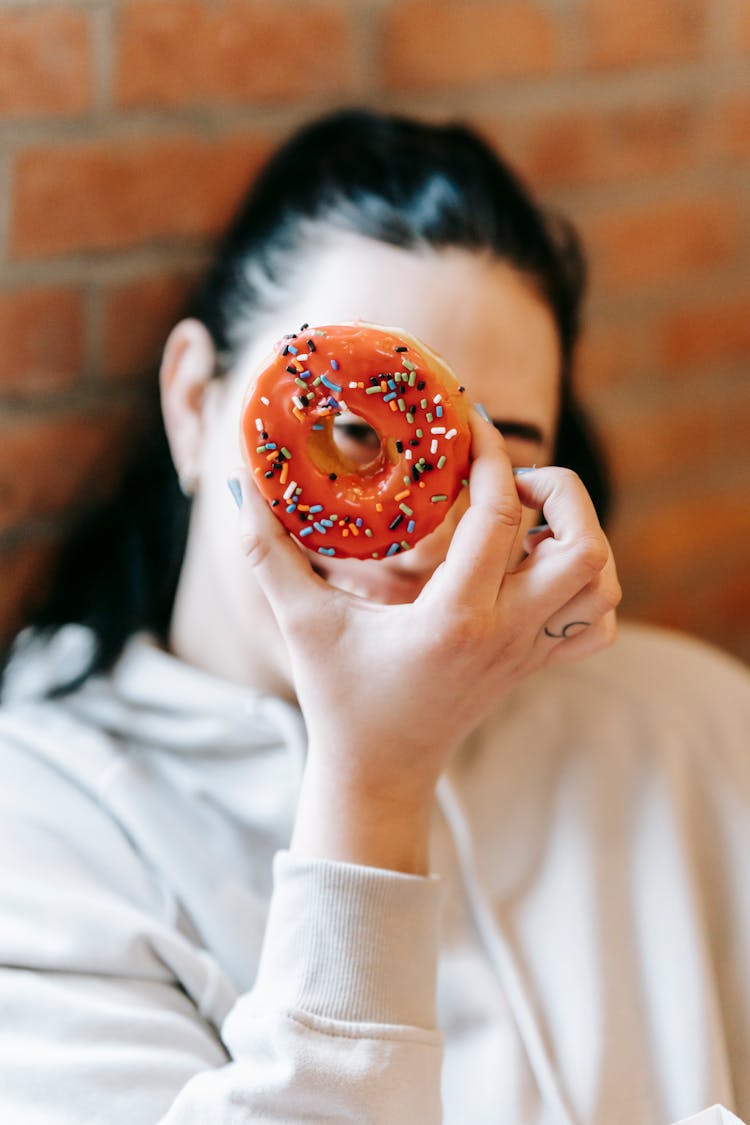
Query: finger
{"type": "Point", "coordinates": [280, 567]}
{"type": "Point", "coordinates": [481, 546]}
{"type": "Point", "coordinates": [595, 601]}
{"type": "Point", "coordinates": [576, 552]}
{"type": "Point", "coordinates": [599, 636]}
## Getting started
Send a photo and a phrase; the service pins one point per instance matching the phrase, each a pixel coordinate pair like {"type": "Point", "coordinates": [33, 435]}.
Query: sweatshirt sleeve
{"type": "Point", "coordinates": [106, 998]}
{"type": "Point", "coordinates": [340, 1025]}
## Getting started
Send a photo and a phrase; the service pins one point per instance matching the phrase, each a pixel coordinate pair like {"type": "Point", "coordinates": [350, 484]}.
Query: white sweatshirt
{"type": "Point", "coordinates": [580, 955]}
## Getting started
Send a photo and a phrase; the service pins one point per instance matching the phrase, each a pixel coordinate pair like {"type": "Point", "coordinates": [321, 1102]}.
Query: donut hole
{"type": "Point", "coordinates": [356, 441]}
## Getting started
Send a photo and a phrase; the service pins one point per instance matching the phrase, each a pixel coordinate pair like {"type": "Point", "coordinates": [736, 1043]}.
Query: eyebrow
{"type": "Point", "coordinates": [526, 431]}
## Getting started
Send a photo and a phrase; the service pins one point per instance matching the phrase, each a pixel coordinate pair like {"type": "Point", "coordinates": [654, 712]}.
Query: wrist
{"type": "Point", "coordinates": [368, 820]}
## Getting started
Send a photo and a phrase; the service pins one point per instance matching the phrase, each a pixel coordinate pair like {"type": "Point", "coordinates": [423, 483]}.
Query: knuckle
{"type": "Point", "coordinates": [506, 510]}
{"type": "Point", "coordinates": [591, 554]}
{"type": "Point", "coordinates": [254, 547]}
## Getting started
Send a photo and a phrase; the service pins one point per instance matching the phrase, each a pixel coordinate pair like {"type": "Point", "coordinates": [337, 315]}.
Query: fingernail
{"type": "Point", "coordinates": [524, 469]}
{"type": "Point", "coordinates": [236, 489]}
{"type": "Point", "coordinates": [482, 412]}
{"type": "Point", "coordinates": [540, 527]}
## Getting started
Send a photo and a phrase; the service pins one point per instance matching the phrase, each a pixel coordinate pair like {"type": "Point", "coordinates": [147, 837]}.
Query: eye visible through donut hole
{"type": "Point", "coordinates": [356, 441]}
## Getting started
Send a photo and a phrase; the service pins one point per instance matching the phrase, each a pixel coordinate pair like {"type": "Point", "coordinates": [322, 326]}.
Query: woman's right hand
{"type": "Point", "coordinates": [388, 691]}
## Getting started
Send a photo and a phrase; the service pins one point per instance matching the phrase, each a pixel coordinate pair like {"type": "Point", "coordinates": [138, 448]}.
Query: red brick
{"type": "Point", "coordinates": [733, 125]}
{"type": "Point", "coordinates": [45, 62]}
{"type": "Point", "coordinates": [438, 45]}
{"type": "Point", "coordinates": [26, 571]}
{"type": "Point", "coordinates": [687, 530]}
{"type": "Point", "coordinates": [581, 147]}
{"type": "Point", "coordinates": [663, 242]}
{"type": "Point", "coordinates": [118, 194]}
{"type": "Point", "coordinates": [179, 52]}
{"type": "Point", "coordinates": [42, 332]}
{"type": "Point", "coordinates": [137, 319]}
{"type": "Point", "coordinates": [626, 33]}
{"type": "Point", "coordinates": [661, 442]}
{"type": "Point", "coordinates": [703, 334]}
{"type": "Point", "coordinates": [52, 465]}
{"type": "Point", "coordinates": [608, 355]}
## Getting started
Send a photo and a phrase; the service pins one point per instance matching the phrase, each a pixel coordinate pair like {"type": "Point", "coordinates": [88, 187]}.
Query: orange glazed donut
{"type": "Point", "coordinates": [394, 384]}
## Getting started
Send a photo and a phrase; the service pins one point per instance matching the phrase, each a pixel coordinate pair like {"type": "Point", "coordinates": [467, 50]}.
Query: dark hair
{"type": "Point", "coordinates": [390, 178]}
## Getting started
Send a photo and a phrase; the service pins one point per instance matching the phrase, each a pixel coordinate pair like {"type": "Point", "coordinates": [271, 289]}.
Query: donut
{"type": "Point", "coordinates": [383, 378]}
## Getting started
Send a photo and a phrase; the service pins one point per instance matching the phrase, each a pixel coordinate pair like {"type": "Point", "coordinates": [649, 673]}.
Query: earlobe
{"type": "Point", "coordinates": [187, 365]}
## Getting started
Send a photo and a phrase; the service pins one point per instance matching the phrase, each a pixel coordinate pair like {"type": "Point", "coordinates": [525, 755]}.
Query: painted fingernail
{"type": "Point", "coordinates": [540, 527]}
{"type": "Point", "coordinates": [236, 489]}
{"type": "Point", "coordinates": [482, 412]}
{"type": "Point", "coordinates": [524, 469]}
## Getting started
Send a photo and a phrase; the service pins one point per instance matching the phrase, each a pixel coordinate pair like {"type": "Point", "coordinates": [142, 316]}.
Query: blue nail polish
{"type": "Point", "coordinates": [482, 412]}
{"type": "Point", "coordinates": [236, 489]}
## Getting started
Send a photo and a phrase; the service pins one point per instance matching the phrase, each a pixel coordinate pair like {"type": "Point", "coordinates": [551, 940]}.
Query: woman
{"type": "Point", "coordinates": [231, 894]}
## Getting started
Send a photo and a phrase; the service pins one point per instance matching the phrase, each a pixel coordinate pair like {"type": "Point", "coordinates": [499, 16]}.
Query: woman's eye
{"type": "Point", "coordinates": [356, 441]}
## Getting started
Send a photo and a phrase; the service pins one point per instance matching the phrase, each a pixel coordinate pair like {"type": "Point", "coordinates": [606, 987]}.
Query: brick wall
{"type": "Point", "coordinates": [127, 130]}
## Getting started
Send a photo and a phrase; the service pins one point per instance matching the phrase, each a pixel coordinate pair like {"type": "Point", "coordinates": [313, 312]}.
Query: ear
{"type": "Point", "coordinates": [188, 363]}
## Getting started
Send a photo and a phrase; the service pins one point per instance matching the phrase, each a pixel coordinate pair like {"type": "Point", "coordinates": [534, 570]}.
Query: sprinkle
{"type": "Point", "coordinates": [285, 453]}
{"type": "Point", "coordinates": [368, 533]}
{"type": "Point", "coordinates": [332, 476]}
{"type": "Point", "coordinates": [304, 326]}
{"type": "Point", "coordinates": [437, 499]}
{"type": "Point", "coordinates": [335, 364]}
{"type": "Point", "coordinates": [258, 425]}
{"type": "Point", "coordinates": [298, 415]}
{"type": "Point", "coordinates": [378, 507]}
{"type": "Point", "coordinates": [437, 399]}
{"type": "Point", "coordinates": [389, 397]}
{"type": "Point", "coordinates": [405, 546]}
{"type": "Point", "coordinates": [395, 522]}
{"type": "Point", "coordinates": [420, 432]}
{"type": "Point", "coordinates": [406, 509]}
{"type": "Point", "coordinates": [264, 400]}
{"type": "Point", "coordinates": [319, 527]}
{"type": "Point", "coordinates": [410, 418]}
{"type": "Point", "coordinates": [293, 350]}
{"type": "Point", "coordinates": [450, 434]}
{"type": "Point", "coordinates": [441, 461]}
{"type": "Point", "coordinates": [301, 383]}
{"type": "Point", "coordinates": [290, 490]}
{"type": "Point", "coordinates": [260, 449]}
{"type": "Point", "coordinates": [306, 531]}
{"type": "Point", "coordinates": [393, 549]}
{"type": "Point", "coordinates": [353, 529]}
{"type": "Point", "coordinates": [439, 411]}
{"type": "Point", "coordinates": [401, 405]}
{"type": "Point", "coordinates": [438, 430]}
{"type": "Point", "coordinates": [410, 527]}
{"type": "Point", "coordinates": [274, 503]}
{"type": "Point", "coordinates": [373, 390]}
{"type": "Point", "coordinates": [359, 521]}
{"type": "Point", "coordinates": [311, 345]}
{"type": "Point", "coordinates": [291, 507]}
{"type": "Point", "coordinates": [408, 364]}
{"type": "Point", "coordinates": [352, 386]}
{"type": "Point", "coordinates": [402, 495]}
{"type": "Point", "coordinates": [428, 415]}
{"type": "Point", "coordinates": [434, 445]}
{"type": "Point", "coordinates": [327, 523]}
{"type": "Point", "coordinates": [412, 378]}
{"type": "Point", "coordinates": [401, 348]}
{"type": "Point", "coordinates": [407, 457]}
{"type": "Point", "coordinates": [316, 507]}
{"type": "Point", "coordinates": [326, 551]}
{"type": "Point", "coordinates": [318, 426]}
{"type": "Point", "coordinates": [327, 382]}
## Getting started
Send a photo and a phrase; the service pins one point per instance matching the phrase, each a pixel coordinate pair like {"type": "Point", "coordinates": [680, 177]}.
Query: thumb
{"type": "Point", "coordinates": [280, 566]}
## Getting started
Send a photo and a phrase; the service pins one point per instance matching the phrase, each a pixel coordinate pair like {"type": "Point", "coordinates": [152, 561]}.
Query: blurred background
{"type": "Point", "coordinates": [129, 128]}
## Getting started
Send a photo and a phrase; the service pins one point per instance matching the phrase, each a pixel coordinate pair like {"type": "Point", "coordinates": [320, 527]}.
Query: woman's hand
{"type": "Point", "coordinates": [388, 691]}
